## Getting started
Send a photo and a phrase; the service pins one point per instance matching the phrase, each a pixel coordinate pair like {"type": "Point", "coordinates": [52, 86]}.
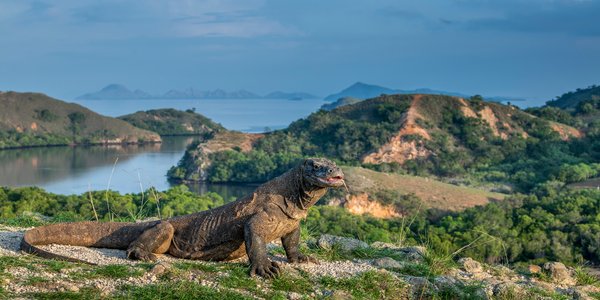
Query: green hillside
{"type": "Point", "coordinates": [173, 122]}
{"type": "Point", "coordinates": [417, 134]}
{"type": "Point", "coordinates": [32, 119]}
{"type": "Point", "coordinates": [571, 100]}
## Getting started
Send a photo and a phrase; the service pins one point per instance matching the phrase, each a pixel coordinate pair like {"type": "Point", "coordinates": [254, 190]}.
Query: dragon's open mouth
{"type": "Point", "coordinates": [332, 180]}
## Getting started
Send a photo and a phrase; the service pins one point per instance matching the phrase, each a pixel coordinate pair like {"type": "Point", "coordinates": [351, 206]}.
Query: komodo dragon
{"type": "Point", "coordinates": [227, 232]}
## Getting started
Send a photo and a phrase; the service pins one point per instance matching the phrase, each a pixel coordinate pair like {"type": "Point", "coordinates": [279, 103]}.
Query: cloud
{"type": "Point", "coordinates": [225, 18]}
{"type": "Point", "coordinates": [130, 18]}
{"type": "Point", "coordinates": [575, 17]}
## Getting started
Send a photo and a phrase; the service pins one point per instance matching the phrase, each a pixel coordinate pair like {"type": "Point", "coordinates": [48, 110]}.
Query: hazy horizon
{"type": "Point", "coordinates": [531, 49]}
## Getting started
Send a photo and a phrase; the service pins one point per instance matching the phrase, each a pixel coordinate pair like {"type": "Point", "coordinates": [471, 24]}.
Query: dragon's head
{"type": "Point", "coordinates": [322, 172]}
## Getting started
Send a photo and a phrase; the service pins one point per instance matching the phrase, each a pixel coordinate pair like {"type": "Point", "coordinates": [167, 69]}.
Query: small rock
{"type": "Point", "coordinates": [559, 273]}
{"type": "Point", "coordinates": [470, 265]}
{"type": "Point", "coordinates": [580, 294]}
{"type": "Point", "coordinates": [420, 287]}
{"type": "Point", "coordinates": [159, 268]}
{"type": "Point", "coordinates": [506, 290]}
{"type": "Point", "coordinates": [386, 263]}
{"type": "Point", "coordinates": [382, 245]}
{"type": "Point", "coordinates": [445, 282]}
{"type": "Point", "coordinates": [504, 271]}
{"type": "Point", "coordinates": [327, 241]}
{"type": "Point", "coordinates": [545, 286]}
{"type": "Point", "coordinates": [71, 287]}
{"type": "Point", "coordinates": [294, 296]}
{"type": "Point", "coordinates": [413, 254]}
{"type": "Point", "coordinates": [534, 269]}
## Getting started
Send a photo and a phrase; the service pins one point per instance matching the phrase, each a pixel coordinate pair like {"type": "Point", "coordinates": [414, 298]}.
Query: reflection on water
{"type": "Point", "coordinates": [127, 169]}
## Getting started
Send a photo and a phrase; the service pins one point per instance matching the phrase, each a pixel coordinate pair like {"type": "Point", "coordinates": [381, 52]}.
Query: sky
{"type": "Point", "coordinates": [536, 49]}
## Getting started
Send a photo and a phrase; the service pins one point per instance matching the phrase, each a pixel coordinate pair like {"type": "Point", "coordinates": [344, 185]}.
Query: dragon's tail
{"type": "Point", "coordinates": [115, 235]}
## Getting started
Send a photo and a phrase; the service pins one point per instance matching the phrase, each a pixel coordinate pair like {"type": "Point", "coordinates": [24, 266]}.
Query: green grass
{"type": "Point", "coordinates": [595, 295]}
{"type": "Point", "coordinates": [439, 264]}
{"type": "Point", "coordinates": [292, 283]}
{"type": "Point", "coordinates": [584, 278]}
{"type": "Point", "coordinates": [34, 280]}
{"type": "Point", "coordinates": [83, 294]}
{"type": "Point", "coordinates": [182, 290]}
{"type": "Point", "coordinates": [204, 267]}
{"type": "Point", "coordinates": [13, 261]}
{"type": "Point", "coordinates": [368, 285]}
{"type": "Point", "coordinates": [238, 278]}
{"type": "Point", "coordinates": [112, 271]}
{"type": "Point", "coordinates": [532, 292]}
{"type": "Point", "coordinates": [56, 265]}
{"type": "Point", "coordinates": [23, 221]}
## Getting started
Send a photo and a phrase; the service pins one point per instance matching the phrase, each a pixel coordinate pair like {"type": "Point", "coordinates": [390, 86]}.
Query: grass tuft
{"type": "Point", "coordinates": [585, 278]}
{"type": "Point", "coordinates": [368, 285]}
{"type": "Point", "coordinates": [113, 271]}
{"type": "Point", "coordinates": [290, 283]}
{"type": "Point", "coordinates": [183, 290]}
{"type": "Point", "coordinates": [83, 294]}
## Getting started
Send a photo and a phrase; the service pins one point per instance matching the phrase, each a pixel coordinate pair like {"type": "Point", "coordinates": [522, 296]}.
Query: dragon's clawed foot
{"type": "Point", "coordinates": [140, 254]}
{"type": "Point", "coordinates": [265, 268]}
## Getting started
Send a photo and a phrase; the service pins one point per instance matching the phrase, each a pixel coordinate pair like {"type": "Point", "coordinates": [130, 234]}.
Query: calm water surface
{"type": "Point", "coordinates": [129, 169]}
{"type": "Point", "coordinates": [249, 115]}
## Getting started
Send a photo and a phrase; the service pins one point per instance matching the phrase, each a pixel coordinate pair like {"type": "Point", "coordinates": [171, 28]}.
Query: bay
{"type": "Point", "coordinates": [247, 115]}
{"type": "Point", "coordinates": [132, 168]}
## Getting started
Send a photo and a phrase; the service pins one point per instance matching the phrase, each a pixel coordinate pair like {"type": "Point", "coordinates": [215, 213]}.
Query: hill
{"type": "Point", "coordinates": [340, 102]}
{"type": "Point", "coordinates": [419, 134]}
{"type": "Point", "coordinates": [571, 100]}
{"type": "Point", "coordinates": [31, 119]}
{"type": "Point", "coordinates": [173, 122]}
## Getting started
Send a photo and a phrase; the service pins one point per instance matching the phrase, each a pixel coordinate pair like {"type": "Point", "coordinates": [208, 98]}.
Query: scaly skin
{"type": "Point", "coordinates": [239, 228]}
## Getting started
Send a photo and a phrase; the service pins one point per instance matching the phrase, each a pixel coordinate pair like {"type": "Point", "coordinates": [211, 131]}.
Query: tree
{"type": "Point", "coordinates": [77, 123]}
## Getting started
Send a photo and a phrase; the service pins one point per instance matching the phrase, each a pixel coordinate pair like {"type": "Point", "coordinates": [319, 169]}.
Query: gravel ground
{"type": "Point", "coordinates": [10, 239]}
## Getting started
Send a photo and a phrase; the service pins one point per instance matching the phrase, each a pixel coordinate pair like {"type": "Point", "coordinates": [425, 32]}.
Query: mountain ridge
{"type": "Point", "coordinates": [121, 92]}
{"type": "Point", "coordinates": [362, 91]}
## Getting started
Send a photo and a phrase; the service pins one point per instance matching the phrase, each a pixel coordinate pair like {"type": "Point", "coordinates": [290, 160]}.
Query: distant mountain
{"type": "Point", "coordinates": [118, 91]}
{"type": "Point", "coordinates": [361, 91]}
{"type": "Point", "coordinates": [115, 91]}
{"type": "Point", "coordinates": [570, 100]}
{"type": "Point", "coordinates": [32, 119]}
{"type": "Point", "coordinates": [289, 96]}
{"type": "Point", "coordinates": [364, 91]}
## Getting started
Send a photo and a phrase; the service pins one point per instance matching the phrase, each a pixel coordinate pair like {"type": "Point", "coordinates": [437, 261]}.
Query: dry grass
{"type": "Point", "coordinates": [433, 193]}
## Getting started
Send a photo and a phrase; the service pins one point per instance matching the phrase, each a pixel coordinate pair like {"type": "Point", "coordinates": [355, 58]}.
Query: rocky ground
{"type": "Point", "coordinates": [348, 268]}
